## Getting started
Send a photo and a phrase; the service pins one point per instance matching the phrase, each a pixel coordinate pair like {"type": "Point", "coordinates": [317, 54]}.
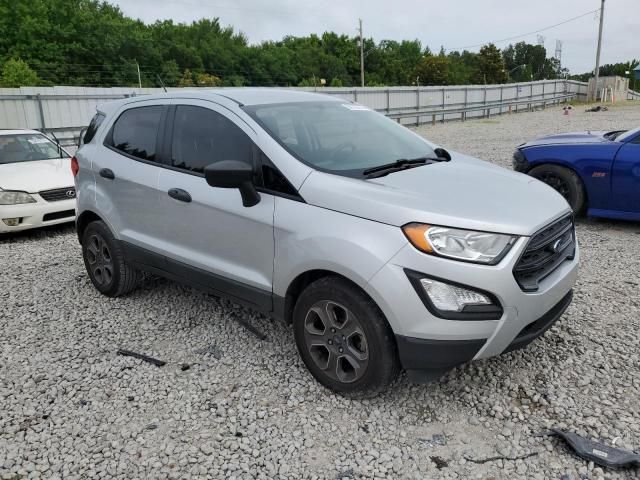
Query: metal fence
{"type": "Point", "coordinates": [65, 110]}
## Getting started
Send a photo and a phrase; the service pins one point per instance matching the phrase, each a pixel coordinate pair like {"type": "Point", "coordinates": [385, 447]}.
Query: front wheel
{"type": "Point", "coordinates": [564, 181]}
{"type": "Point", "coordinates": [344, 339]}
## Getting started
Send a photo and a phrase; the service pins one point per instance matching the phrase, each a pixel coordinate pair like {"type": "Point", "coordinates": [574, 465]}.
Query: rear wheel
{"type": "Point", "coordinates": [344, 339]}
{"type": "Point", "coordinates": [105, 262]}
{"type": "Point", "coordinates": [566, 182]}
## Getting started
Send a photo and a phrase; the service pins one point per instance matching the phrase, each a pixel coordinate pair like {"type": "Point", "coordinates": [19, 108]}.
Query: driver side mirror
{"type": "Point", "coordinates": [233, 174]}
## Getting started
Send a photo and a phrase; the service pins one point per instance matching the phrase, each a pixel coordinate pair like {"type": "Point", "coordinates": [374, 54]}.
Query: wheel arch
{"type": "Point", "coordinates": [283, 306]}
{"type": "Point", "coordinates": [84, 219]}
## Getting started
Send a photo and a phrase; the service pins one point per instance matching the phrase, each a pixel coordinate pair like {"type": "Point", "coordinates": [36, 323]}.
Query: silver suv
{"type": "Point", "coordinates": [382, 250]}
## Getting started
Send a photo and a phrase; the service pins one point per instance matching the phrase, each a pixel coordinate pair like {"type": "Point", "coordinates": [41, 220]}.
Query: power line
{"type": "Point", "coordinates": [526, 34]}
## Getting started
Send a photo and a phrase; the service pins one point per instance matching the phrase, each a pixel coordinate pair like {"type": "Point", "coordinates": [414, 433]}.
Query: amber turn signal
{"type": "Point", "coordinates": [417, 235]}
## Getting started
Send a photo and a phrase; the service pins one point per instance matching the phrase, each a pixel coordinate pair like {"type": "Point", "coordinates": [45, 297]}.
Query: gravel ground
{"type": "Point", "coordinates": [229, 404]}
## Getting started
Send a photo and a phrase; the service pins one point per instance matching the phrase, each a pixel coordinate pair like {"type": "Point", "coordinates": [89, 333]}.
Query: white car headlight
{"type": "Point", "coordinates": [14, 198]}
{"type": "Point", "coordinates": [467, 245]}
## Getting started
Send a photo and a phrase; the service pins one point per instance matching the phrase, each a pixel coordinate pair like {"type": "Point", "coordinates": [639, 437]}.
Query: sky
{"type": "Point", "coordinates": [436, 23]}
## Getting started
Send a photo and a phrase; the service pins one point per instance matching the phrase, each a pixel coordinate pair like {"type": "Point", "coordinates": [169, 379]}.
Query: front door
{"type": "Point", "coordinates": [230, 246]}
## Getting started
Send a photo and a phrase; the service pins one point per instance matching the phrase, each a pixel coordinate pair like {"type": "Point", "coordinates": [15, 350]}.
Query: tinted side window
{"type": "Point", "coordinates": [202, 137]}
{"type": "Point", "coordinates": [96, 121]}
{"type": "Point", "coordinates": [136, 131]}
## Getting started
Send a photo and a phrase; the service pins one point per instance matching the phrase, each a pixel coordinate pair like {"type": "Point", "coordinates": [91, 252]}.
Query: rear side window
{"type": "Point", "coordinates": [136, 132]}
{"type": "Point", "coordinates": [202, 137]}
{"type": "Point", "coordinates": [96, 121]}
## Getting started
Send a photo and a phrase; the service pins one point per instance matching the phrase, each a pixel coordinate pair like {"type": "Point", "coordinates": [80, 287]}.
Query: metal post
{"type": "Point", "coordinates": [501, 95]}
{"type": "Point", "coordinates": [361, 54]}
{"type": "Point", "coordinates": [355, 94]}
{"type": "Point", "coordinates": [485, 103]}
{"type": "Point", "coordinates": [388, 101]}
{"type": "Point", "coordinates": [42, 122]}
{"type": "Point", "coordinates": [597, 70]}
{"type": "Point", "coordinates": [544, 102]}
{"type": "Point", "coordinates": [418, 106]}
{"type": "Point", "coordinates": [466, 94]}
{"type": "Point", "coordinates": [517, 97]}
{"type": "Point", "coordinates": [443, 102]}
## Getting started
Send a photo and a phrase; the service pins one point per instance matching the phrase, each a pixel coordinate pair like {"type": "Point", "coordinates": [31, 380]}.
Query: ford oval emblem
{"type": "Point", "coordinates": [555, 248]}
{"type": "Point", "coordinates": [70, 193]}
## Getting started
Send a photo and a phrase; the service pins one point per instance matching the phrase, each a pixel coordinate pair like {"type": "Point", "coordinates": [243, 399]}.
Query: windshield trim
{"type": "Point", "coordinates": [628, 136]}
{"type": "Point", "coordinates": [352, 173]}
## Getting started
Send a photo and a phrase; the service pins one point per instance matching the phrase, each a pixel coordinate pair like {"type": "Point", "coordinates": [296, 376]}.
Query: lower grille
{"type": "Point", "coordinates": [545, 252]}
{"type": "Point", "coordinates": [57, 194]}
{"type": "Point", "coordinates": [59, 215]}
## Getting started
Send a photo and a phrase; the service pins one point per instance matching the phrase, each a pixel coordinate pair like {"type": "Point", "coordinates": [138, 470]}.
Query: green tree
{"type": "Point", "coordinates": [433, 70]}
{"type": "Point", "coordinates": [17, 73]}
{"type": "Point", "coordinates": [491, 69]}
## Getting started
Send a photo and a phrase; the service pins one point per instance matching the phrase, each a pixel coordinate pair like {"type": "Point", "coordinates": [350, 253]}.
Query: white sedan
{"type": "Point", "coordinates": [36, 183]}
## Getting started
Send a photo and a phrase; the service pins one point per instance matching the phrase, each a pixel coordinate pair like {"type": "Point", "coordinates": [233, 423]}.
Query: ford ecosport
{"type": "Point", "coordinates": [381, 249]}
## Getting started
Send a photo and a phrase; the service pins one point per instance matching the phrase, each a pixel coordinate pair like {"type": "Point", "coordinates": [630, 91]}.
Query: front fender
{"type": "Point", "coordinates": [313, 238]}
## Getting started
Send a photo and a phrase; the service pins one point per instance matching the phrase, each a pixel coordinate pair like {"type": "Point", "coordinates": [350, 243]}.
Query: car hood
{"type": "Point", "coordinates": [37, 175]}
{"type": "Point", "coordinates": [463, 193]}
{"type": "Point", "coordinates": [568, 138]}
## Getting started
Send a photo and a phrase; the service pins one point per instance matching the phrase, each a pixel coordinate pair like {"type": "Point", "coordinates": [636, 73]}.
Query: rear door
{"type": "Point", "coordinates": [625, 179]}
{"type": "Point", "coordinates": [126, 173]}
{"type": "Point", "coordinates": [230, 246]}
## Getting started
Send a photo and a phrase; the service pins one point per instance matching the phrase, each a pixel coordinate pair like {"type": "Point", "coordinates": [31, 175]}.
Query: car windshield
{"type": "Point", "coordinates": [336, 137]}
{"type": "Point", "coordinates": [28, 147]}
{"type": "Point", "coordinates": [628, 135]}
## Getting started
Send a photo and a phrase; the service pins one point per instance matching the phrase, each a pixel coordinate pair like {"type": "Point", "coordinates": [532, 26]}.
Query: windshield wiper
{"type": "Point", "coordinates": [396, 166]}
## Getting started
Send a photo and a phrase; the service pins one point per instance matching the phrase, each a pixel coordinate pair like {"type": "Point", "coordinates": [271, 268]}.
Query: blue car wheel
{"type": "Point", "coordinates": [565, 182]}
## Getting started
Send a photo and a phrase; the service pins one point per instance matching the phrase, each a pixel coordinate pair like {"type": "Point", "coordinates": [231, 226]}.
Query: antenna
{"type": "Point", "coordinates": [161, 83]}
{"type": "Point", "coordinates": [541, 40]}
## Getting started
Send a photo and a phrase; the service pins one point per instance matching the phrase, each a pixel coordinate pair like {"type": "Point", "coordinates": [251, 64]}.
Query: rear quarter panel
{"type": "Point", "coordinates": [592, 163]}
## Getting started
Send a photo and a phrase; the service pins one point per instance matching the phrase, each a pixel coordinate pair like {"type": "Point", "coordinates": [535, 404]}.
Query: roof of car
{"type": "Point", "coordinates": [19, 132]}
{"type": "Point", "coordinates": [259, 96]}
{"type": "Point", "coordinates": [240, 95]}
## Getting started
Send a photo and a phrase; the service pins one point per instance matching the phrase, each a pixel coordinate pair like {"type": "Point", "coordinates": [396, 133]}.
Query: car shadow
{"type": "Point", "coordinates": [38, 233]}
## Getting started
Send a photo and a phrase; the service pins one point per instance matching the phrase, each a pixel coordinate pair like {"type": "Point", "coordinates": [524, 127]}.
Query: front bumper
{"type": "Point", "coordinates": [38, 214]}
{"type": "Point", "coordinates": [392, 290]}
{"type": "Point", "coordinates": [426, 360]}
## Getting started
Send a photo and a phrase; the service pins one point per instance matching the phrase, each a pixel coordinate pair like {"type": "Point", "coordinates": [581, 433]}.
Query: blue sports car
{"type": "Point", "coordinates": [597, 172]}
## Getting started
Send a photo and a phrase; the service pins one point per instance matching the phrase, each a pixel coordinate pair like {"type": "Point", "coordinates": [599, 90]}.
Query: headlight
{"type": "Point", "coordinates": [467, 245]}
{"type": "Point", "coordinates": [519, 161]}
{"type": "Point", "coordinates": [13, 198]}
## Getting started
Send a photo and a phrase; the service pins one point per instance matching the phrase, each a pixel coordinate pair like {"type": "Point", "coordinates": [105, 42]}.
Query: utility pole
{"type": "Point", "coordinates": [597, 72]}
{"type": "Point", "coordinates": [139, 79]}
{"type": "Point", "coordinates": [361, 54]}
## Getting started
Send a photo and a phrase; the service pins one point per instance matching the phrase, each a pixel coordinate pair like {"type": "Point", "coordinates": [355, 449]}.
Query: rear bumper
{"type": "Point", "coordinates": [426, 360]}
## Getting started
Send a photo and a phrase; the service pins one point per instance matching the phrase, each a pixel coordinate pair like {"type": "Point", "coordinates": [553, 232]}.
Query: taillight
{"type": "Point", "coordinates": [74, 166]}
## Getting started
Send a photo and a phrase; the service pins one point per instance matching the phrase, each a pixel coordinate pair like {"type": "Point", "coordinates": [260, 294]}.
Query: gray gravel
{"type": "Point", "coordinates": [247, 408]}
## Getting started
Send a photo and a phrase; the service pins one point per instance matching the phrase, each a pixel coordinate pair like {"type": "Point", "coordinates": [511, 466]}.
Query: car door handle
{"type": "Point", "coordinates": [180, 194]}
{"type": "Point", "coordinates": [107, 173]}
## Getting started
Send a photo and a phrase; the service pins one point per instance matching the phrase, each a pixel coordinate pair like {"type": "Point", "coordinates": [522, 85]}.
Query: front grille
{"type": "Point", "coordinates": [59, 215]}
{"type": "Point", "coordinates": [545, 252]}
{"type": "Point", "coordinates": [58, 194]}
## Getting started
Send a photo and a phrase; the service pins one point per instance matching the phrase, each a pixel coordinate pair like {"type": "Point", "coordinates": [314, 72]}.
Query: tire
{"type": "Point", "coordinates": [105, 261]}
{"type": "Point", "coordinates": [564, 181]}
{"type": "Point", "coordinates": [359, 358]}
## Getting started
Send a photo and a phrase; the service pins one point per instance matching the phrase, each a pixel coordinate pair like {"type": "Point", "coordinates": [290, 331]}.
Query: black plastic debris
{"type": "Point", "coordinates": [146, 358]}
{"type": "Point", "coordinates": [439, 461]}
{"type": "Point", "coordinates": [598, 452]}
{"type": "Point", "coordinates": [597, 108]}
{"type": "Point", "coordinates": [184, 367]}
